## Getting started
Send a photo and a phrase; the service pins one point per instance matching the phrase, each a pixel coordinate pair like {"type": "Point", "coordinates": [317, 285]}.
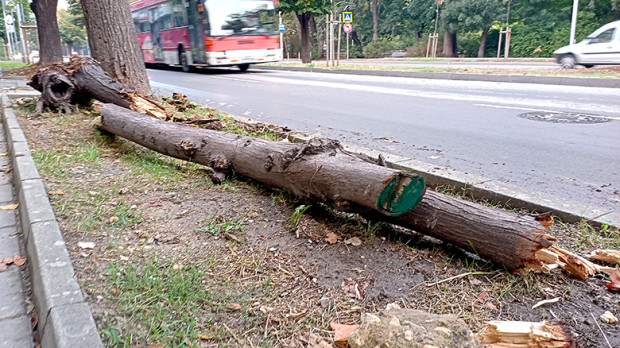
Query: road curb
{"type": "Point", "coordinates": [65, 319]}
{"type": "Point", "coordinates": [543, 80]}
{"type": "Point", "coordinates": [481, 188]}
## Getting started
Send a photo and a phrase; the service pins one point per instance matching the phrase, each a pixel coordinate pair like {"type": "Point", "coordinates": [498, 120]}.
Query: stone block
{"type": "Point", "coordinates": [34, 205]}
{"type": "Point", "coordinates": [16, 332]}
{"type": "Point", "coordinates": [12, 294]}
{"type": "Point", "coordinates": [15, 135]}
{"type": "Point", "coordinates": [71, 326]}
{"type": "Point", "coordinates": [6, 194]}
{"type": "Point", "coordinates": [7, 218]}
{"type": "Point", "coordinates": [51, 272]}
{"type": "Point", "coordinates": [21, 149]}
{"type": "Point", "coordinates": [10, 120]}
{"type": "Point", "coordinates": [9, 242]}
{"type": "Point", "coordinates": [24, 168]}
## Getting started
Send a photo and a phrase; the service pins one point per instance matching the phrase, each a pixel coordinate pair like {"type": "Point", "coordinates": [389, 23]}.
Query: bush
{"type": "Point", "coordinates": [418, 49]}
{"type": "Point", "coordinates": [355, 51]}
{"type": "Point", "coordinates": [378, 48]}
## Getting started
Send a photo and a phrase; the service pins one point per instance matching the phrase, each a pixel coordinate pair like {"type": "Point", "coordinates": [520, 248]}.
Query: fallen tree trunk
{"type": "Point", "coordinates": [321, 170]}
{"type": "Point", "coordinates": [82, 79]}
{"type": "Point", "coordinates": [318, 169]}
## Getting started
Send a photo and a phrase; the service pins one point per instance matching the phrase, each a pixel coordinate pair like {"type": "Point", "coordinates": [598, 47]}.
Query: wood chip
{"type": "Point", "coordinates": [544, 302]}
{"type": "Point", "coordinates": [86, 245]}
{"type": "Point", "coordinates": [611, 256]}
{"type": "Point", "coordinates": [517, 334]}
{"type": "Point", "coordinates": [10, 206]}
{"type": "Point", "coordinates": [608, 318]}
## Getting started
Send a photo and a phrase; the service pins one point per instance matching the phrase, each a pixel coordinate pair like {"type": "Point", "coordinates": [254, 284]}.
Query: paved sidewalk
{"type": "Point", "coordinates": [15, 329]}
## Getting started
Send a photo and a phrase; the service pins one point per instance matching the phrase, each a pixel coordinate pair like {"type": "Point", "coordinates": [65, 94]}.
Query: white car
{"type": "Point", "coordinates": [600, 47]}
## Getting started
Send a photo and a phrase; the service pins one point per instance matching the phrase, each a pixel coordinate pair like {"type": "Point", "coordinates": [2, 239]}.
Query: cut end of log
{"type": "Point", "coordinates": [527, 334]}
{"type": "Point", "coordinates": [401, 194]}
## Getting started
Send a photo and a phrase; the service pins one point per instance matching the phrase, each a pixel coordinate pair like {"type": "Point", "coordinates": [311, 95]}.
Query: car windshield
{"type": "Point", "coordinates": [240, 17]}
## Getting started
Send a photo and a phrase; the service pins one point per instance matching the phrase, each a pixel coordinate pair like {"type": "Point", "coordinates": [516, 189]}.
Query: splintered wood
{"type": "Point", "coordinates": [517, 334]}
{"type": "Point", "coordinates": [554, 257]}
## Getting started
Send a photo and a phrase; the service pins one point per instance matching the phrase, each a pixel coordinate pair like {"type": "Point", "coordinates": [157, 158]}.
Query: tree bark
{"type": "Point", "coordinates": [507, 238]}
{"type": "Point", "coordinates": [114, 43]}
{"type": "Point", "coordinates": [304, 32]}
{"type": "Point", "coordinates": [320, 170]}
{"type": "Point", "coordinates": [82, 79]}
{"type": "Point", "coordinates": [50, 49]}
{"type": "Point", "coordinates": [483, 42]}
{"type": "Point", "coordinates": [375, 19]}
{"type": "Point", "coordinates": [449, 44]}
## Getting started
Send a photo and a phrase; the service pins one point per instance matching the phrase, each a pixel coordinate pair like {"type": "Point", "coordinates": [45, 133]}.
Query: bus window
{"type": "Point", "coordinates": [179, 14]}
{"type": "Point", "coordinates": [141, 22]}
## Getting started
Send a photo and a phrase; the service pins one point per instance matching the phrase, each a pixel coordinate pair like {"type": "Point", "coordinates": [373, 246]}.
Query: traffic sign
{"type": "Point", "coordinates": [8, 19]}
{"type": "Point", "coordinates": [348, 27]}
{"type": "Point", "coordinates": [282, 29]}
{"type": "Point", "coordinates": [347, 17]}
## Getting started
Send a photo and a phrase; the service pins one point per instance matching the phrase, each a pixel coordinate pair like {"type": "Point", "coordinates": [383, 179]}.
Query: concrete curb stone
{"type": "Point", "coordinates": [65, 319]}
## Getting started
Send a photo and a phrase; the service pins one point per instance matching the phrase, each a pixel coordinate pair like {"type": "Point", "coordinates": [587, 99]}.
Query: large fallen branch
{"type": "Point", "coordinates": [82, 79]}
{"type": "Point", "coordinates": [321, 170]}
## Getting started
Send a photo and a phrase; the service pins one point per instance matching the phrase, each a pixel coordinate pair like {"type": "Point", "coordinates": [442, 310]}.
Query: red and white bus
{"type": "Point", "coordinates": [205, 33]}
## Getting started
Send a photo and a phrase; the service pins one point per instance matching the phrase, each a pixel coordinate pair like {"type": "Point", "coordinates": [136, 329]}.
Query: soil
{"type": "Point", "coordinates": [274, 284]}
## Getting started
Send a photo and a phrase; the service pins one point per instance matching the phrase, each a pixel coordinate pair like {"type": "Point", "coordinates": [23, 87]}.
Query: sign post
{"type": "Point", "coordinates": [348, 27]}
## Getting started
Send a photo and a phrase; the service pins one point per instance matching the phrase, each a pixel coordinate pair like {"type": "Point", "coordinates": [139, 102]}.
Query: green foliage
{"type": "Point", "coordinates": [377, 48]}
{"type": "Point", "coordinates": [470, 15]}
{"type": "Point", "coordinates": [296, 216]}
{"type": "Point", "coordinates": [316, 7]}
{"type": "Point", "coordinates": [72, 28]}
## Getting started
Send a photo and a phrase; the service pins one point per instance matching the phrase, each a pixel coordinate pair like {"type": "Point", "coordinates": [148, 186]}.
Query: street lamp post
{"type": "Point", "coordinates": [573, 23]}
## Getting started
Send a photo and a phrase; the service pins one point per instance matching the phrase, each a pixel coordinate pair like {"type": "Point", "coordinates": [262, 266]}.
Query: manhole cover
{"type": "Point", "coordinates": [564, 117]}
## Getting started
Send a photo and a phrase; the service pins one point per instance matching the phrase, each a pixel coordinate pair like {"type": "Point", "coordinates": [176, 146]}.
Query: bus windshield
{"type": "Point", "coordinates": [239, 17]}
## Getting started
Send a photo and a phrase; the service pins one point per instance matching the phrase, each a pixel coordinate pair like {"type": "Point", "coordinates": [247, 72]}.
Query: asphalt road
{"type": "Point", "coordinates": [473, 127]}
{"type": "Point", "coordinates": [465, 63]}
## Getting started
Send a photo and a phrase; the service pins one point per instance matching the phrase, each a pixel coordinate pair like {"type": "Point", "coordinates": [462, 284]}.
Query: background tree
{"type": "Point", "coordinates": [114, 42]}
{"type": "Point", "coordinates": [471, 15]}
{"type": "Point", "coordinates": [304, 10]}
{"type": "Point", "coordinates": [50, 49]}
{"type": "Point", "coordinates": [71, 32]}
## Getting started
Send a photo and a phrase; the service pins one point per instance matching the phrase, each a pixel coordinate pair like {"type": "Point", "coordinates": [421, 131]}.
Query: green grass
{"type": "Point", "coordinates": [5, 64]}
{"type": "Point", "coordinates": [58, 163]}
{"type": "Point", "coordinates": [296, 216]}
{"type": "Point", "coordinates": [168, 303]}
{"type": "Point", "coordinates": [217, 227]}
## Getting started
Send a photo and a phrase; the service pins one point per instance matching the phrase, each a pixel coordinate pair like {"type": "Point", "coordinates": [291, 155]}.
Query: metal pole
{"type": "Point", "coordinates": [326, 39]}
{"type": "Point", "coordinates": [347, 46]}
{"type": "Point", "coordinates": [281, 37]}
{"type": "Point", "coordinates": [20, 19]}
{"type": "Point", "coordinates": [6, 30]}
{"type": "Point", "coordinates": [339, 39]}
{"type": "Point", "coordinates": [573, 23]}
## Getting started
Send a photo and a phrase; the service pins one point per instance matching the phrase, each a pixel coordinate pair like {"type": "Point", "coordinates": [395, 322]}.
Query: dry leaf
{"type": "Point", "coordinates": [342, 333]}
{"type": "Point", "coordinates": [490, 306]}
{"type": "Point", "coordinates": [355, 241]}
{"type": "Point", "coordinates": [4, 154]}
{"type": "Point", "coordinates": [315, 341]}
{"type": "Point", "coordinates": [331, 237]}
{"type": "Point", "coordinates": [204, 337]}
{"type": "Point", "coordinates": [57, 192]}
{"type": "Point", "coordinates": [156, 346]}
{"type": "Point", "coordinates": [7, 261]}
{"type": "Point", "coordinates": [86, 245]}
{"type": "Point", "coordinates": [233, 306]}
{"type": "Point", "coordinates": [10, 206]}
{"type": "Point", "coordinates": [19, 261]}
{"type": "Point", "coordinates": [3, 267]}
{"type": "Point", "coordinates": [614, 285]}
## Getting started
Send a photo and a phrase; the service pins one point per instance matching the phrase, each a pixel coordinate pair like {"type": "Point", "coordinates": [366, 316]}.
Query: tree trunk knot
{"type": "Point", "coordinates": [189, 148]}
{"type": "Point", "coordinates": [220, 164]}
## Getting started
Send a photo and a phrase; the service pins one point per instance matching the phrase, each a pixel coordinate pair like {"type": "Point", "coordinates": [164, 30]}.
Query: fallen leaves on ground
{"type": "Point", "coordinates": [355, 241]}
{"type": "Point", "coordinates": [16, 260]}
{"type": "Point", "coordinates": [315, 341]}
{"type": "Point", "coordinates": [614, 284]}
{"type": "Point", "coordinates": [10, 206]}
{"type": "Point", "coordinates": [204, 337]}
{"type": "Point", "coordinates": [233, 306]}
{"type": "Point", "coordinates": [342, 333]}
{"type": "Point", "coordinates": [354, 289]}
{"type": "Point", "coordinates": [331, 237]}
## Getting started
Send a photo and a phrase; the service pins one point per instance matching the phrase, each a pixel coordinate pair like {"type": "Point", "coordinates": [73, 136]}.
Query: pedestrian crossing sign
{"type": "Point", "coordinates": [347, 17]}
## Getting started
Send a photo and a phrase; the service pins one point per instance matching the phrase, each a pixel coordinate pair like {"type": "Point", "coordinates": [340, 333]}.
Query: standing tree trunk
{"type": "Point", "coordinates": [449, 44]}
{"type": "Point", "coordinates": [483, 42]}
{"type": "Point", "coordinates": [114, 43]}
{"type": "Point", "coordinates": [47, 28]}
{"type": "Point", "coordinates": [304, 32]}
{"type": "Point", "coordinates": [375, 19]}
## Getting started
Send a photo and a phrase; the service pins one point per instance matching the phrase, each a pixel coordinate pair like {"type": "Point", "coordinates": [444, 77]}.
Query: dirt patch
{"type": "Point", "coordinates": [180, 261]}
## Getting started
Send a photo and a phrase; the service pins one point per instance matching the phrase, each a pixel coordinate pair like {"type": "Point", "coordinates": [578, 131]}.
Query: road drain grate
{"type": "Point", "coordinates": [564, 117]}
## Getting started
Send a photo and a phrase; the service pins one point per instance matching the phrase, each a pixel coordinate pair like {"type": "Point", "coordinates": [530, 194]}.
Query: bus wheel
{"type": "Point", "coordinates": [183, 61]}
{"type": "Point", "coordinates": [244, 67]}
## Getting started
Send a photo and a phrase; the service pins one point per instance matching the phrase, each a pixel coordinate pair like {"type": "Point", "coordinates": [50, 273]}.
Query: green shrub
{"type": "Point", "coordinates": [378, 48]}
